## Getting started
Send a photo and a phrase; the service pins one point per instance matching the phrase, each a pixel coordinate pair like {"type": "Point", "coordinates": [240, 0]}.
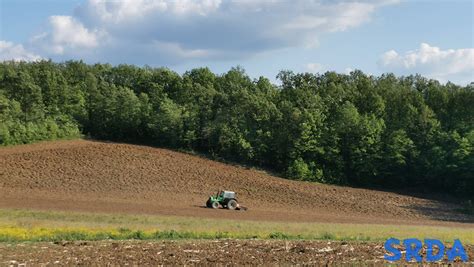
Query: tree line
{"type": "Point", "coordinates": [355, 129]}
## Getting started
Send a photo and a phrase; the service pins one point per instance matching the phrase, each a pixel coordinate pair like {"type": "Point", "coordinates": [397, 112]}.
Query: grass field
{"type": "Point", "coordinates": [28, 225]}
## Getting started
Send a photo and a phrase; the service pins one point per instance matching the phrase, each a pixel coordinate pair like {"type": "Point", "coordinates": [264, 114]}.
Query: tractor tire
{"type": "Point", "coordinates": [209, 203]}
{"type": "Point", "coordinates": [215, 205]}
{"type": "Point", "coordinates": [232, 204]}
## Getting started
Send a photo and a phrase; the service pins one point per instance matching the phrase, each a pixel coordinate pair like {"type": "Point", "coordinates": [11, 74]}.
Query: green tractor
{"type": "Point", "coordinates": [224, 199]}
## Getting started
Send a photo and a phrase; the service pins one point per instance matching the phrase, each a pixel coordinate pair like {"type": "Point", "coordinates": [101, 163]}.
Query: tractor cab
{"type": "Point", "coordinates": [227, 195]}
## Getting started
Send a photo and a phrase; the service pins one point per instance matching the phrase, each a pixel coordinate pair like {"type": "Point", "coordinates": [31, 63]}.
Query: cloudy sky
{"type": "Point", "coordinates": [434, 38]}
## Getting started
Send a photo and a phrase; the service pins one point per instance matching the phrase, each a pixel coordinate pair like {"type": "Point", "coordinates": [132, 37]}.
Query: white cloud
{"type": "Point", "coordinates": [456, 65]}
{"type": "Point", "coordinates": [335, 17]}
{"type": "Point", "coordinates": [350, 15]}
{"type": "Point", "coordinates": [66, 33]}
{"type": "Point", "coordinates": [16, 52]}
{"type": "Point", "coordinates": [176, 49]}
{"type": "Point", "coordinates": [305, 23]}
{"type": "Point", "coordinates": [117, 11]}
{"type": "Point", "coordinates": [314, 67]}
{"type": "Point", "coordinates": [66, 30]}
{"type": "Point", "coordinates": [172, 31]}
{"type": "Point", "coordinates": [122, 11]}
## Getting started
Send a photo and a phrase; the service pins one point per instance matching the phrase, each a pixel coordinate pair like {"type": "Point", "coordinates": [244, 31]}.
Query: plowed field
{"type": "Point", "coordinates": [95, 176]}
{"type": "Point", "coordinates": [222, 253]}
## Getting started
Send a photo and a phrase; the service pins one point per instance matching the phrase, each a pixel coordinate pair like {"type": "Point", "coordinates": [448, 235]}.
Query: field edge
{"type": "Point", "coordinates": [20, 225]}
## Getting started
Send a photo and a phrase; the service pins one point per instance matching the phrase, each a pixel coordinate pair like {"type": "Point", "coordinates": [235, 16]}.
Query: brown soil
{"type": "Point", "coordinates": [109, 177]}
{"type": "Point", "coordinates": [222, 252]}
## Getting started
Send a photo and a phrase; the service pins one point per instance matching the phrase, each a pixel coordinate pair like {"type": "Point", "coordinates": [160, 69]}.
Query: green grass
{"type": "Point", "coordinates": [27, 225]}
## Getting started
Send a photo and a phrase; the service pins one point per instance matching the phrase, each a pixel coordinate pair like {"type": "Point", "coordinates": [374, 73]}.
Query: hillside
{"type": "Point", "coordinates": [95, 176]}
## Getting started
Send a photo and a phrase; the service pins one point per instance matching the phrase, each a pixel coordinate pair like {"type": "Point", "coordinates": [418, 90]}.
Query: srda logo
{"type": "Point", "coordinates": [413, 248]}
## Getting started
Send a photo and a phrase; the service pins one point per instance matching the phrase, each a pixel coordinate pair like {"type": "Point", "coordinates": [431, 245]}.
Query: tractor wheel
{"type": "Point", "coordinates": [232, 204]}
{"type": "Point", "coordinates": [215, 205]}
{"type": "Point", "coordinates": [209, 203]}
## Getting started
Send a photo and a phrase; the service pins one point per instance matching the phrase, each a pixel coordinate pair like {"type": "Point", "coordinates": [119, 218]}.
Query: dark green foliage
{"type": "Point", "coordinates": [30, 112]}
{"type": "Point", "coordinates": [343, 129]}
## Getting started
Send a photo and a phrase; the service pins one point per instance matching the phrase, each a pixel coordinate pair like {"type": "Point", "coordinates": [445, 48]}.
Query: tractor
{"type": "Point", "coordinates": [224, 199]}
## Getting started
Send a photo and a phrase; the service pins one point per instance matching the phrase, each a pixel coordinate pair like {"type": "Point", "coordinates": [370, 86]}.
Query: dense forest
{"type": "Point", "coordinates": [356, 129]}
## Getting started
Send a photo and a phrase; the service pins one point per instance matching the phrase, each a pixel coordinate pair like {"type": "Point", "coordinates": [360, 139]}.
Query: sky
{"type": "Point", "coordinates": [432, 38]}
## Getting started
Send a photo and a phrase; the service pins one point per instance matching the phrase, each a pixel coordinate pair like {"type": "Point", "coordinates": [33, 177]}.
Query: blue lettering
{"type": "Point", "coordinates": [457, 251]}
{"type": "Point", "coordinates": [389, 248]}
{"type": "Point", "coordinates": [413, 247]}
{"type": "Point", "coordinates": [430, 244]}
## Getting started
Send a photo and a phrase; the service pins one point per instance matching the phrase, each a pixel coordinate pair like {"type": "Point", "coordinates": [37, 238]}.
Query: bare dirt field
{"type": "Point", "coordinates": [95, 176]}
{"type": "Point", "coordinates": [222, 252]}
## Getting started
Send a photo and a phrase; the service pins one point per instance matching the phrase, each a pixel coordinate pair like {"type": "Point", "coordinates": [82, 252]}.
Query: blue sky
{"type": "Point", "coordinates": [433, 38]}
